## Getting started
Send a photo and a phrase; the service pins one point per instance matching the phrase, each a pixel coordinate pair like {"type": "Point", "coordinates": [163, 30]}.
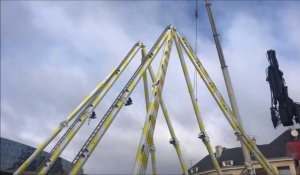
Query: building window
{"type": "Point", "coordinates": [194, 170]}
{"type": "Point", "coordinates": [284, 170]}
{"type": "Point", "coordinates": [227, 163]}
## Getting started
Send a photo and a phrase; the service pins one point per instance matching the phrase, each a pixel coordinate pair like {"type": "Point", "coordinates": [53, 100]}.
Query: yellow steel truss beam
{"type": "Point", "coordinates": [88, 104]}
{"type": "Point", "coordinates": [174, 141]}
{"type": "Point", "coordinates": [203, 135]}
{"type": "Point", "coordinates": [74, 128]}
{"type": "Point", "coordinates": [105, 122]}
{"type": "Point", "coordinates": [225, 108]}
{"type": "Point", "coordinates": [146, 91]}
{"type": "Point", "coordinates": [149, 125]}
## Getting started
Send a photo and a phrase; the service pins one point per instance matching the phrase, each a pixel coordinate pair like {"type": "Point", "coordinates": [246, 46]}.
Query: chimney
{"type": "Point", "coordinates": [219, 151]}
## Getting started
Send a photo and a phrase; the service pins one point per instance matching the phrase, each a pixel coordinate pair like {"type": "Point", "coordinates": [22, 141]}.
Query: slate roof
{"type": "Point", "coordinates": [275, 149]}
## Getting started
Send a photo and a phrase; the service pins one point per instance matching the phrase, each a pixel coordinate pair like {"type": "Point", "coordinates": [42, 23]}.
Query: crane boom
{"type": "Point", "coordinates": [229, 87]}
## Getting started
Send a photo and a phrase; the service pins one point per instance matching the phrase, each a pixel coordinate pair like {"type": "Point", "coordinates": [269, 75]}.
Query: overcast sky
{"type": "Point", "coordinates": [55, 53]}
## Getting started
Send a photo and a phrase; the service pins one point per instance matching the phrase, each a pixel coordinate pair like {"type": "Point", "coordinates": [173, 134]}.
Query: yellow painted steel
{"type": "Point", "coordinates": [208, 82]}
{"type": "Point", "coordinates": [146, 145]}
{"type": "Point", "coordinates": [149, 125]}
{"type": "Point", "coordinates": [146, 91]}
{"type": "Point", "coordinates": [59, 128]}
{"type": "Point", "coordinates": [224, 107]}
{"type": "Point", "coordinates": [171, 130]}
{"type": "Point", "coordinates": [145, 81]}
{"type": "Point", "coordinates": [104, 124]}
{"type": "Point", "coordinates": [65, 140]}
{"type": "Point", "coordinates": [65, 123]}
{"type": "Point", "coordinates": [228, 113]}
{"type": "Point", "coordinates": [203, 135]}
{"type": "Point", "coordinates": [238, 131]}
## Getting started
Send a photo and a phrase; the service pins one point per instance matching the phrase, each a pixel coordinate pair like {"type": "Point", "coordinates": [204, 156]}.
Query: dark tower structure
{"type": "Point", "coordinates": [283, 109]}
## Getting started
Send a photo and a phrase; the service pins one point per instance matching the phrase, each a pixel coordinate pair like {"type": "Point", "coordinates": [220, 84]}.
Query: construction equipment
{"type": "Point", "coordinates": [283, 109]}
{"type": "Point", "coordinates": [83, 111]}
{"type": "Point", "coordinates": [229, 87]}
{"type": "Point", "coordinates": [146, 144]}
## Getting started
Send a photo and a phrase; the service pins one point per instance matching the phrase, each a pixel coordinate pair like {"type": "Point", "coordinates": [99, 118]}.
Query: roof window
{"type": "Point", "coordinates": [227, 163]}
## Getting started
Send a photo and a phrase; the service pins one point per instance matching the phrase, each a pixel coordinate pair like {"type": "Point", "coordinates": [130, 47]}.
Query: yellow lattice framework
{"type": "Point", "coordinates": [146, 145]}
{"type": "Point", "coordinates": [85, 109]}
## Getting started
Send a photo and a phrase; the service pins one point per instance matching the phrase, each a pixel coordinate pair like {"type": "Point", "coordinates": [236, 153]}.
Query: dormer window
{"type": "Point", "coordinates": [194, 170]}
{"type": "Point", "coordinates": [227, 163]}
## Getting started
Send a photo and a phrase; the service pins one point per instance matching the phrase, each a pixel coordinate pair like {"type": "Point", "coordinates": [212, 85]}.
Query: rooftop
{"type": "Point", "coordinates": [275, 149]}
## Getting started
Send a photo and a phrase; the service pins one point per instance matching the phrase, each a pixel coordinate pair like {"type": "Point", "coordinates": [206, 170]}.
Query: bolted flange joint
{"type": "Point", "coordinates": [47, 162]}
{"type": "Point", "coordinates": [64, 123]}
{"type": "Point", "coordinates": [203, 137]}
{"type": "Point", "coordinates": [152, 149]}
{"type": "Point", "coordinates": [171, 27]}
{"type": "Point", "coordinates": [248, 166]}
{"type": "Point", "coordinates": [238, 135]}
{"type": "Point", "coordinates": [173, 142]}
{"type": "Point", "coordinates": [85, 152]}
{"type": "Point", "coordinates": [125, 97]}
{"type": "Point", "coordinates": [140, 44]}
{"type": "Point", "coordinates": [156, 83]}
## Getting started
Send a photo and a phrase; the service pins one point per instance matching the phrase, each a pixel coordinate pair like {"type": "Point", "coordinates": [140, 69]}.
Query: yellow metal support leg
{"type": "Point", "coordinates": [203, 135]}
{"type": "Point", "coordinates": [76, 110]}
{"type": "Point", "coordinates": [84, 110]}
{"type": "Point", "coordinates": [105, 122]}
{"type": "Point", "coordinates": [146, 91]}
{"type": "Point", "coordinates": [143, 149]}
{"type": "Point", "coordinates": [225, 108]}
{"type": "Point", "coordinates": [174, 140]}
{"type": "Point", "coordinates": [68, 136]}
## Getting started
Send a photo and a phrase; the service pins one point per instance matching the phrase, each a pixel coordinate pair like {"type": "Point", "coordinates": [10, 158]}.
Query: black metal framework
{"type": "Point", "coordinates": [283, 109]}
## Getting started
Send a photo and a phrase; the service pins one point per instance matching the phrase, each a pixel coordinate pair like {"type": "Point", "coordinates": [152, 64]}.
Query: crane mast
{"type": "Point", "coordinates": [229, 87]}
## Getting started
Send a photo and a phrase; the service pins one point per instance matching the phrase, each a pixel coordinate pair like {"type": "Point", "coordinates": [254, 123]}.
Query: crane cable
{"type": "Point", "coordinates": [196, 45]}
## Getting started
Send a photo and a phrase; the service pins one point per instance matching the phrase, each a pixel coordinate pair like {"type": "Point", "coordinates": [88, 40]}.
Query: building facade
{"type": "Point", "coordinates": [13, 154]}
{"type": "Point", "coordinates": [232, 163]}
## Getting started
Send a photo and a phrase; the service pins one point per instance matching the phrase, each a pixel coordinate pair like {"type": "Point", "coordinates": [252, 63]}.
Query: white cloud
{"type": "Point", "coordinates": [54, 53]}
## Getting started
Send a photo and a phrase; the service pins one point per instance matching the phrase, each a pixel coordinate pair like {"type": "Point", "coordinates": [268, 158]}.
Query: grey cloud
{"type": "Point", "coordinates": [55, 53]}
